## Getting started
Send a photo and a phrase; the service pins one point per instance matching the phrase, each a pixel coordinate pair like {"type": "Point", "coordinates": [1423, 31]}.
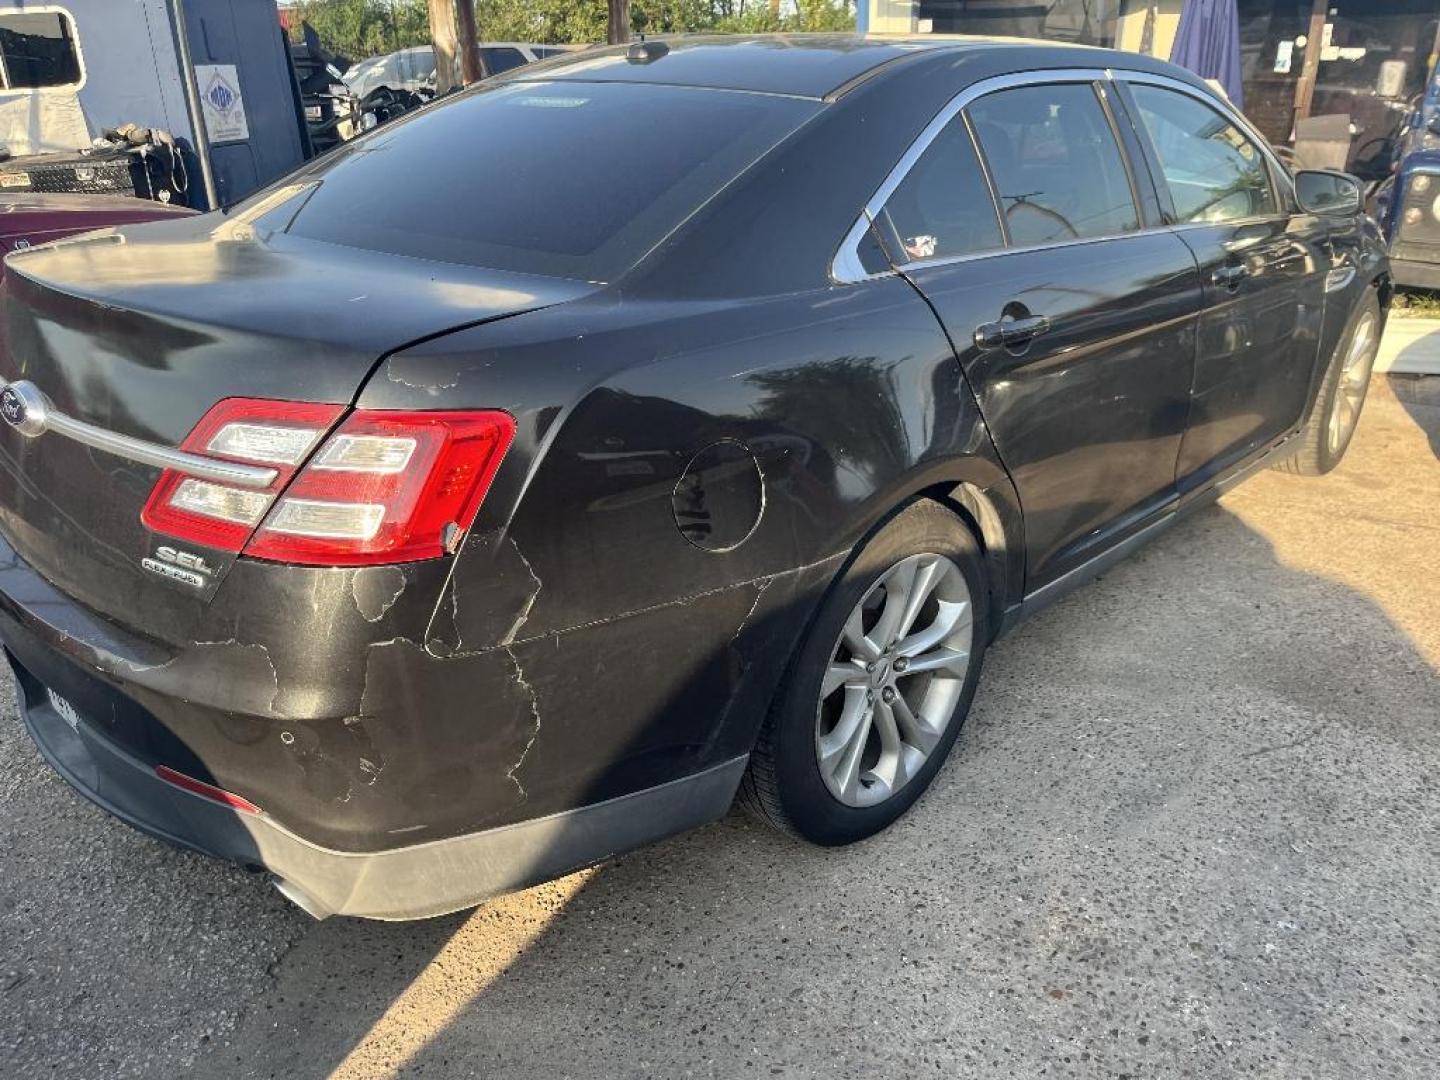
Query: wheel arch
{"type": "Point", "coordinates": [979, 492]}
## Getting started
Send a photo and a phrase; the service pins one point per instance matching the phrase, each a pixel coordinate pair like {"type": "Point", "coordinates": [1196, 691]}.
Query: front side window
{"type": "Point", "coordinates": [943, 207]}
{"type": "Point", "coordinates": [1057, 167]}
{"type": "Point", "coordinates": [1214, 172]}
{"type": "Point", "coordinates": [37, 50]}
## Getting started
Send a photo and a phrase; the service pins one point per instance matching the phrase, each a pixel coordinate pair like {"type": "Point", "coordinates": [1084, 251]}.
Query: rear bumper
{"type": "Point", "coordinates": [388, 780]}
{"type": "Point", "coordinates": [399, 883]}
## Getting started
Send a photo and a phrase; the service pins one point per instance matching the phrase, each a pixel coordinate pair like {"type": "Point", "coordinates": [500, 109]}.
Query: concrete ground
{"type": "Point", "coordinates": [1191, 829]}
{"type": "Point", "coordinates": [1411, 346]}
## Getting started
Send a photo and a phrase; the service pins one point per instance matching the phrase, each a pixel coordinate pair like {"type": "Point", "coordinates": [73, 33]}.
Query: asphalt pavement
{"type": "Point", "coordinates": [1192, 828]}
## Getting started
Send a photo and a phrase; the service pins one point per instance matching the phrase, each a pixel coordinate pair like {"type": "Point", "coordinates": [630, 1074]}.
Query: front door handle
{"type": "Point", "coordinates": [1010, 332]}
{"type": "Point", "coordinates": [1231, 276]}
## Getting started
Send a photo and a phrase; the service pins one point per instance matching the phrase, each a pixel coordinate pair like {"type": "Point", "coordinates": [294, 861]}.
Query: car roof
{"type": "Point", "coordinates": [800, 65]}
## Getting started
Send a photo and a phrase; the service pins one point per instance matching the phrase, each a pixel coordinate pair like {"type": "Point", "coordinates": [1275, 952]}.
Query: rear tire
{"type": "Point", "coordinates": [1327, 434]}
{"type": "Point", "coordinates": [880, 685]}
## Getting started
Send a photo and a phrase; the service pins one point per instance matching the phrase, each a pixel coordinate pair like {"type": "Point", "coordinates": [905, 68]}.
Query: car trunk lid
{"type": "Point", "coordinates": [141, 331]}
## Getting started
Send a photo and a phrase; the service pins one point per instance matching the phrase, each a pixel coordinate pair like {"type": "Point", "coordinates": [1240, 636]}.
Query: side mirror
{"type": "Point", "coordinates": [1322, 191]}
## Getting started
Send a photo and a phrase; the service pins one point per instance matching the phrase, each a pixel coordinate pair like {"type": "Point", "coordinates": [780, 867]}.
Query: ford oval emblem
{"type": "Point", "coordinates": [12, 407]}
{"type": "Point", "coordinates": [24, 407]}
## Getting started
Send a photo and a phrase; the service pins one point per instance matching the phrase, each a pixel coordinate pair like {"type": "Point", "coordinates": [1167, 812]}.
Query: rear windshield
{"type": "Point", "coordinates": [566, 179]}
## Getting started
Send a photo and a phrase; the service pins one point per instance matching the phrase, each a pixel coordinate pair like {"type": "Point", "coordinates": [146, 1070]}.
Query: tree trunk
{"type": "Point", "coordinates": [1310, 65]}
{"type": "Point", "coordinates": [442, 33]}
{"type": "Point", "coordinates": [619, 29]}
{"type": "Point", "coordinates": [472, 64]}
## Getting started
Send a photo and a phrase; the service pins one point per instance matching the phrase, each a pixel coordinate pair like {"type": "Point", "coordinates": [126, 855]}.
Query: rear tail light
{"type": "Point", "coordinates": [279, 434]}
{"type": "Point", "coordinates": [386, 486]}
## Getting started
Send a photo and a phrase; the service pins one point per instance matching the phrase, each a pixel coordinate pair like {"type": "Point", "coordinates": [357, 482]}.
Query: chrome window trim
{"type": "Point", "coordinates": [847, 256]}
{"type": "Point", "coordinates": [1017, 249]}
{"type": "Point", "coordinates": [1114, 111]}
{"type": "Point", "coordinates": [846, 267]}
{"type": "Point", "coordinates": [147, 453]}
{"type": "Point", "coordinates": [1149, 230]}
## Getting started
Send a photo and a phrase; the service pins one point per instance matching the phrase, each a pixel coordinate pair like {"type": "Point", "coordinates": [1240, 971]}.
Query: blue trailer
{"type": "Point", "coordinates": [215, 74]}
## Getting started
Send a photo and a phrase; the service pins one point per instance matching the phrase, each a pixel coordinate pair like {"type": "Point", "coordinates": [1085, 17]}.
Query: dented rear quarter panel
{"type": "Point", "coordinates": [686, 480]}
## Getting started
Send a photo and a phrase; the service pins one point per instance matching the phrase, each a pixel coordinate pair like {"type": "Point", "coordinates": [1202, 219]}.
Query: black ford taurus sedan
{"type": "Point", "coordinates": [521, 482]}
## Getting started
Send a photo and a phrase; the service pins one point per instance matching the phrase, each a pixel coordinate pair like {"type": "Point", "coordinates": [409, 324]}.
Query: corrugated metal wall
{"type": "Point", "coordinates": [131, 74]}
{"type": "Point", "coordinates": [247, 33]}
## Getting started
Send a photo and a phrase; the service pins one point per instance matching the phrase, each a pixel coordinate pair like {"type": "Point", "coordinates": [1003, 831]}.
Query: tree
{"type": "Point", "coordinates": [618, 22]}
{"type": "Point", "coordinates": [472, 63]}
{"type": "Point", "coordinates": [445, 40]}
{"type": "Point", "coordinates": [361, 28]}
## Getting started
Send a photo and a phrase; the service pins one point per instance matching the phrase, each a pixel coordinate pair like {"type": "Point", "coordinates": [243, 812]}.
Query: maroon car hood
{"type": "Point", "coordinates": [29, 220]}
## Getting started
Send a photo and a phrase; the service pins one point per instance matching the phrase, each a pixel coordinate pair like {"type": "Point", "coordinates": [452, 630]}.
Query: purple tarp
{"type": "Point", "coordinates": [1208, 43]}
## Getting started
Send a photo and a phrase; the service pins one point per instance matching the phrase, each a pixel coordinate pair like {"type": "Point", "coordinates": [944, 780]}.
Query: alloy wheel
{"type": "Point", "coordinates": [1354, 379]}
{"type": "Point", "coordinates": [894, 679]}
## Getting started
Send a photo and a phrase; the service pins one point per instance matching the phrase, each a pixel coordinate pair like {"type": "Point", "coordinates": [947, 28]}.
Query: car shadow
{"type": "Point", "coordinates": [1180, 826]}
{"type": "Point", "coordinates": [1420, 395]}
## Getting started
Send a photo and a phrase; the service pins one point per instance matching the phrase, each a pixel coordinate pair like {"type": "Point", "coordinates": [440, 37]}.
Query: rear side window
{"type": "Point", "coordinates": [943, 207]}
{"type": "Point", "coordinates": [1214, 172]}
{"type": "Point", "coordinates": [37, 50]}
{"type": "Point", "coordinates": [574, 180]}
{"type": "Point", "coordinates": [1056, 165]}
{"type": "Point", "coordinates": [501, 59]}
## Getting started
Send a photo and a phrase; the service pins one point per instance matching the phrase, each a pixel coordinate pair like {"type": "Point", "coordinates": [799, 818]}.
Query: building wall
{"type": "Point", "coordinates": [1374, 55]}
{"type": "Point", "coordinates": [1163, 17]}
{"type": "Point", "coordinates": [890, 16]}
{"type": "Point", "coordinates": [247, 33]}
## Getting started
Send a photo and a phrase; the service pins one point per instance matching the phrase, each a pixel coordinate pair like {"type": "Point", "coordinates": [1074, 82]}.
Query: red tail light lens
{"type": "Point", "coordinates": [256, 431]}
{"type": "Point", "coordinates": [386, 486]}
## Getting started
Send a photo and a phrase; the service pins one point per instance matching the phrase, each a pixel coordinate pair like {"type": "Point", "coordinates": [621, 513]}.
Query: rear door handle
{"type": "Point", "coordinates": [1008, 332]}
{"type": "Point", "coordinates": [1231, 276]}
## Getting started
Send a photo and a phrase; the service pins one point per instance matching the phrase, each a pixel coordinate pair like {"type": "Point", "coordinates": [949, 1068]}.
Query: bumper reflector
{"type": "Point", "coordinates": [205, 791]}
